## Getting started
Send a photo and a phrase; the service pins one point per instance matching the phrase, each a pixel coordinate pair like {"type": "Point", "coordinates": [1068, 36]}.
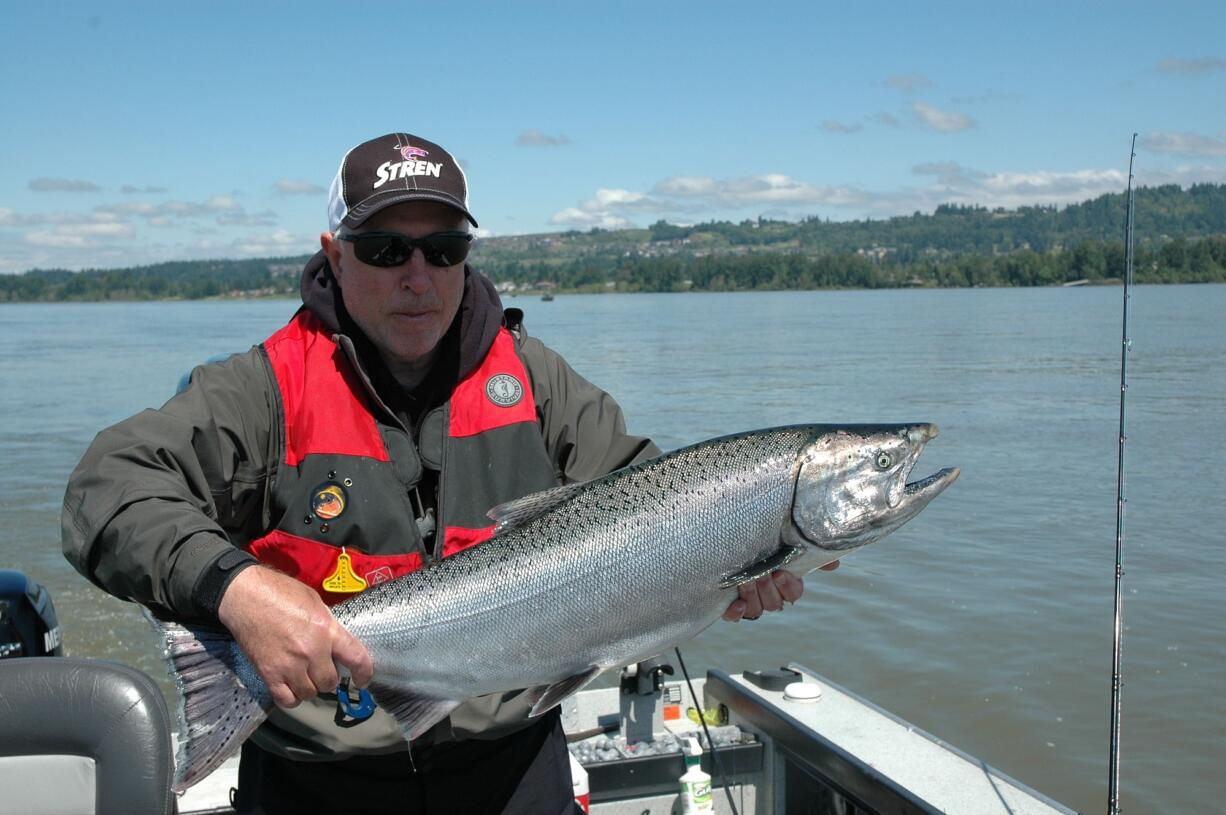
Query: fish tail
{"type": "Point", "coordinates": [222, 699]}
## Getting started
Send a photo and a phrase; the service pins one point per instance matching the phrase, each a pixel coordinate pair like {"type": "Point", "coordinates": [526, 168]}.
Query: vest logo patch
{"type": "Point", "coordinates": [504, 390]}
{"type": "Point", "coordinates": [328, 501]}
{"type": "Point", "coordinates": [379, 575]}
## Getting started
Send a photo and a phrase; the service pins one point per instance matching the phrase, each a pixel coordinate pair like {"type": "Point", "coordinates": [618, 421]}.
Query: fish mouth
{"type": "Point", "coordinates": [925, 489]}
{"type": "Point", "coordinates": [931, 486]}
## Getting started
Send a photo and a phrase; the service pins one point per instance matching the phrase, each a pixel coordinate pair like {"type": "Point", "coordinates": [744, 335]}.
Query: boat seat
{"type": "Point", "coordinates": [82, 736]}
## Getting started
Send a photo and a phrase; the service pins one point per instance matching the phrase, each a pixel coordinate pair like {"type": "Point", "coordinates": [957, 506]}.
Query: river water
{"type": "Point", "coordinates": [986, 621]}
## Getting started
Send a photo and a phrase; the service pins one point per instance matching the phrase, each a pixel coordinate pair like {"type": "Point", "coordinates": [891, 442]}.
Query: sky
{"type": "Point", "coordinates": [135, 133]}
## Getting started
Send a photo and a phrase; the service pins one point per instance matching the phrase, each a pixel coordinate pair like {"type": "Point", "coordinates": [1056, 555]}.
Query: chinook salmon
{"type": "Point", "coordinates": [585, 577]}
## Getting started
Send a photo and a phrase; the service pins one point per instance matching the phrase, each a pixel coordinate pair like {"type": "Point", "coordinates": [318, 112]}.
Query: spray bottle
{"type": "Point", "coordinates": [695, 784]}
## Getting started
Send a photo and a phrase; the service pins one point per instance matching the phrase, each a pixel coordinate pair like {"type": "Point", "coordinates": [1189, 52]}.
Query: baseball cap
{"type": "Point", "coordinates": [390, 170]}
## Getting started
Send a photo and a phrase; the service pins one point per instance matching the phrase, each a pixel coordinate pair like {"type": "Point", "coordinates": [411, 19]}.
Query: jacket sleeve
{"type": "Point", "coordinates": [154, 510]}
{"type": "Point", "coordinates": [584, 430]}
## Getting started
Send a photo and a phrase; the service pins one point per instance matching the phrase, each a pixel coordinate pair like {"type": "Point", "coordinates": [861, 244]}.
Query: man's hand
{"type": "Point", "coordinates": [290, 635]}
{"type": "Point", "coordinates": [767, 593]}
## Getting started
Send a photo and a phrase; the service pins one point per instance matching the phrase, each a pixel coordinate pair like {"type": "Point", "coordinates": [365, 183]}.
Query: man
{"type": "Point", "coordinates": [364, 440]}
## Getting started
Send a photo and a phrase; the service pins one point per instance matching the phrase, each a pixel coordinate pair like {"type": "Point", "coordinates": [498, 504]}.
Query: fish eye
{"type": "Point", "coordinates": [884, 460]}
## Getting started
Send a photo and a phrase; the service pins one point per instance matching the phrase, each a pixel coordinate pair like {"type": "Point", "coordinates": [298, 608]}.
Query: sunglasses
{"type": "Point", "coordinates": [387, 249]}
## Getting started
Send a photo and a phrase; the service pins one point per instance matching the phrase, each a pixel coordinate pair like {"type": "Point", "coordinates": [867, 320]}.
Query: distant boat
{"type": "Point", "coordinates": [546, 297]}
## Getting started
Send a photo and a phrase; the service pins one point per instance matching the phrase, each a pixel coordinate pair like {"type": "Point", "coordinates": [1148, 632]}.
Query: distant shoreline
{"type": "Point", "coordinates": [1181, 238]}
{"type": "Point", "coordinates": [507, 297]}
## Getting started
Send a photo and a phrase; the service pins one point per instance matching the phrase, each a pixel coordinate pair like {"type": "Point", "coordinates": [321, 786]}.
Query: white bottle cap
{"type": "Point", "coordinates": [802, 692]}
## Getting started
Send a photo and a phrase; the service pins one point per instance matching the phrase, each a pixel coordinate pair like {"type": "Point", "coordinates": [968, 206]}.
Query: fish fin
{"type": "Point", "coordinates": [222, 699]}
{"type": "Point", "coordinates": [545, 697]}
{"type": "Point", "coordinates": [753, 571]}
{"type": "Point", "coordinates": [514, 514]}
{"type": "Point", "coordinates": [416, 713]}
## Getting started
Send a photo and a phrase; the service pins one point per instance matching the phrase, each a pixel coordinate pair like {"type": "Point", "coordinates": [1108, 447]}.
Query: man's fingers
{"type": "Point", "coordinates": [768, 593]}
{"type": "Point", "coordinates": [735, 611]}
{"type": "Point", "coordinates": [304, 684]}
{"type": "Point", "coordinates": [831, 566]}
{"type": "Point", "coordinates": [349, 651]}
{"type": "Point", "coordinates": [323, 676]}
{"type": "Point", "coordinates": [282, 696]}
{"type": "Point", "coordinates": [790, 586]}
{"type": "Point", "coordinates": [753, 603]}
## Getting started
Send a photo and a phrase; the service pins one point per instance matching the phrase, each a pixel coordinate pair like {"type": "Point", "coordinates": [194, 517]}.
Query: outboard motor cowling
{"type": "Point", "coordinates": [28, 625]}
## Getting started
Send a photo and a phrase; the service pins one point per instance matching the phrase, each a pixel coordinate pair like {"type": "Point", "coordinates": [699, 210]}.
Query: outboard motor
{"type": "Point", "coordinates": [28, 625]}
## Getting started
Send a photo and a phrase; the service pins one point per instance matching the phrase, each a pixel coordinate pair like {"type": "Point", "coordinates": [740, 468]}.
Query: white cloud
{"type": "Point", "coordinates": [130, 189]}
{"type": "Point", "coordinates": [1197, 65]}
{"type": "Point", "coordinates": [1183, 176]}
{"type": "Point", "coordinates": [883, 118]}
{"type": "Point", "coordinates": [1184, 144]}
{"type": "Point", "coordinates": [956, 184]}
{"type": "Point", "coordinates": [293, 186]}
{"type": "Point", "coordinates": [265, 218]}
{"type": "Point", "coordinates": [10, 218]}
{"type": "Point", "coordinates": [949, 173]}
{"type": "Point", "coordinates": [987, 96]}
{"type": "Point", "coordinates": [908, 83]}
{"type": "Point", "coordinates": [51, 240]}
{"type": "Point", "coordinates": [102, 230]}
{"type": "Point", "coordinates": [584, 219]}
{"type": "Point", "coordinates": [581, 219]}
{"type": "Point", "coordinates": [768, 188]}
{"type": "Point", "coordinates": [107, 235]}
{"type": "Point", "coordinates": [1049, 185]}
{"type": "Point", "coordinates": [78, 235]}
{"type": "Point", "coordinates": [608, 199]}
{"type": "Point", "coordinates": [606, 209]}
{"type": "Point", "coordinates": [680, 198]}
{"type": "Point", "coordinates": [278, 242]}
{"type": "Point", "coordinates": [687, 186]}
{"type": "Point", "coordinates": [831, 126]}
{"type": "Point", "coordinates": [62, 185]}
{"type": "Point", "coordinates": [946, 121]}
{"type": "Point", "coordinates": [612, 208]}
{"type": "Point", "coordinates": [127, 208]}
{"type": "Point", "coordinates": [535, 138]}
{"type": "Point", "coordinates": [216, 205]}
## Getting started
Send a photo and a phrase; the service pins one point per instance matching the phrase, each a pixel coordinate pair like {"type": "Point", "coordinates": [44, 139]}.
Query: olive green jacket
{"type": "Point", "coordinates": [160, 507]}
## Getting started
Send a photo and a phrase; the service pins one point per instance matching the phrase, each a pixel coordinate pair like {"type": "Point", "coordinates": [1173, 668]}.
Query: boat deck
{"type": "Point", "coordinates": [838, 754]}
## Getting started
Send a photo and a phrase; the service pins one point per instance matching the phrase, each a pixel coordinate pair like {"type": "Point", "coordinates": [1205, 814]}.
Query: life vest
{"type": "Point", "coordinates": [343, 515]}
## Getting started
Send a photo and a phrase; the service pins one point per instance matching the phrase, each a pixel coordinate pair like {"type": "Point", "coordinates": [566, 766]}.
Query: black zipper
{"type": "Point", "coordinates": [351, 354]}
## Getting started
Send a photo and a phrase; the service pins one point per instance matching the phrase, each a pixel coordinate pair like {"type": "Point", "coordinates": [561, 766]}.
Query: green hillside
{"type": "Point", "coordinates": [1180, 237]}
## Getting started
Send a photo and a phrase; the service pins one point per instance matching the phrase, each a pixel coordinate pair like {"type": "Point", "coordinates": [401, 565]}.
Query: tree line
{"type": "Point", "coordinates": [1178, 261]}
{"type": "Point", "coordinates": [1162, 212]}
{"type": "Point", "coordinates": [179, 280]}
{"type": "Point", "coordinates": [1180, 239]}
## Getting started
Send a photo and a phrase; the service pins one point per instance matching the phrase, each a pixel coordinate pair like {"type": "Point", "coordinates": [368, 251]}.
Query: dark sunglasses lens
{"type": "Point", "coordinates": [381, 250]}
{"type": "Point", "coordinates": [444, 250]}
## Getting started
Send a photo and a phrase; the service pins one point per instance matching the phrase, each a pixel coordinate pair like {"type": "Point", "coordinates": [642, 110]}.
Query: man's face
{"type": "Point", "coordinates": [405, 310]}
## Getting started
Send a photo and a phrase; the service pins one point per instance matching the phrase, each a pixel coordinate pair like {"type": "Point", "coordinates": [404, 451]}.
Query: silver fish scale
{"type": "Point", "coordinates": [624, 569]}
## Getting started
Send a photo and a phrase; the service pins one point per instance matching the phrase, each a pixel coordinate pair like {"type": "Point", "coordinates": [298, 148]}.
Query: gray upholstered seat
{"type": "Point", "coordinates": [82, 736]}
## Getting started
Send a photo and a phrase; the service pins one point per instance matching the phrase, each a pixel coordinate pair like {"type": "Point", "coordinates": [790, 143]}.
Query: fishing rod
{"type": "Point", "coordinates": [1113, 784]}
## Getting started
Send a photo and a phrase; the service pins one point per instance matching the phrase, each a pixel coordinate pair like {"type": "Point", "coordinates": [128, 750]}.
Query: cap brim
{"type": "Point", "coordinates": [373, 204]}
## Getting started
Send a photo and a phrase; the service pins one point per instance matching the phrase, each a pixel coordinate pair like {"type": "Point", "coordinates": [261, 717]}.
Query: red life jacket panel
{"type": "Point", "coordinates": [338, 488]}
